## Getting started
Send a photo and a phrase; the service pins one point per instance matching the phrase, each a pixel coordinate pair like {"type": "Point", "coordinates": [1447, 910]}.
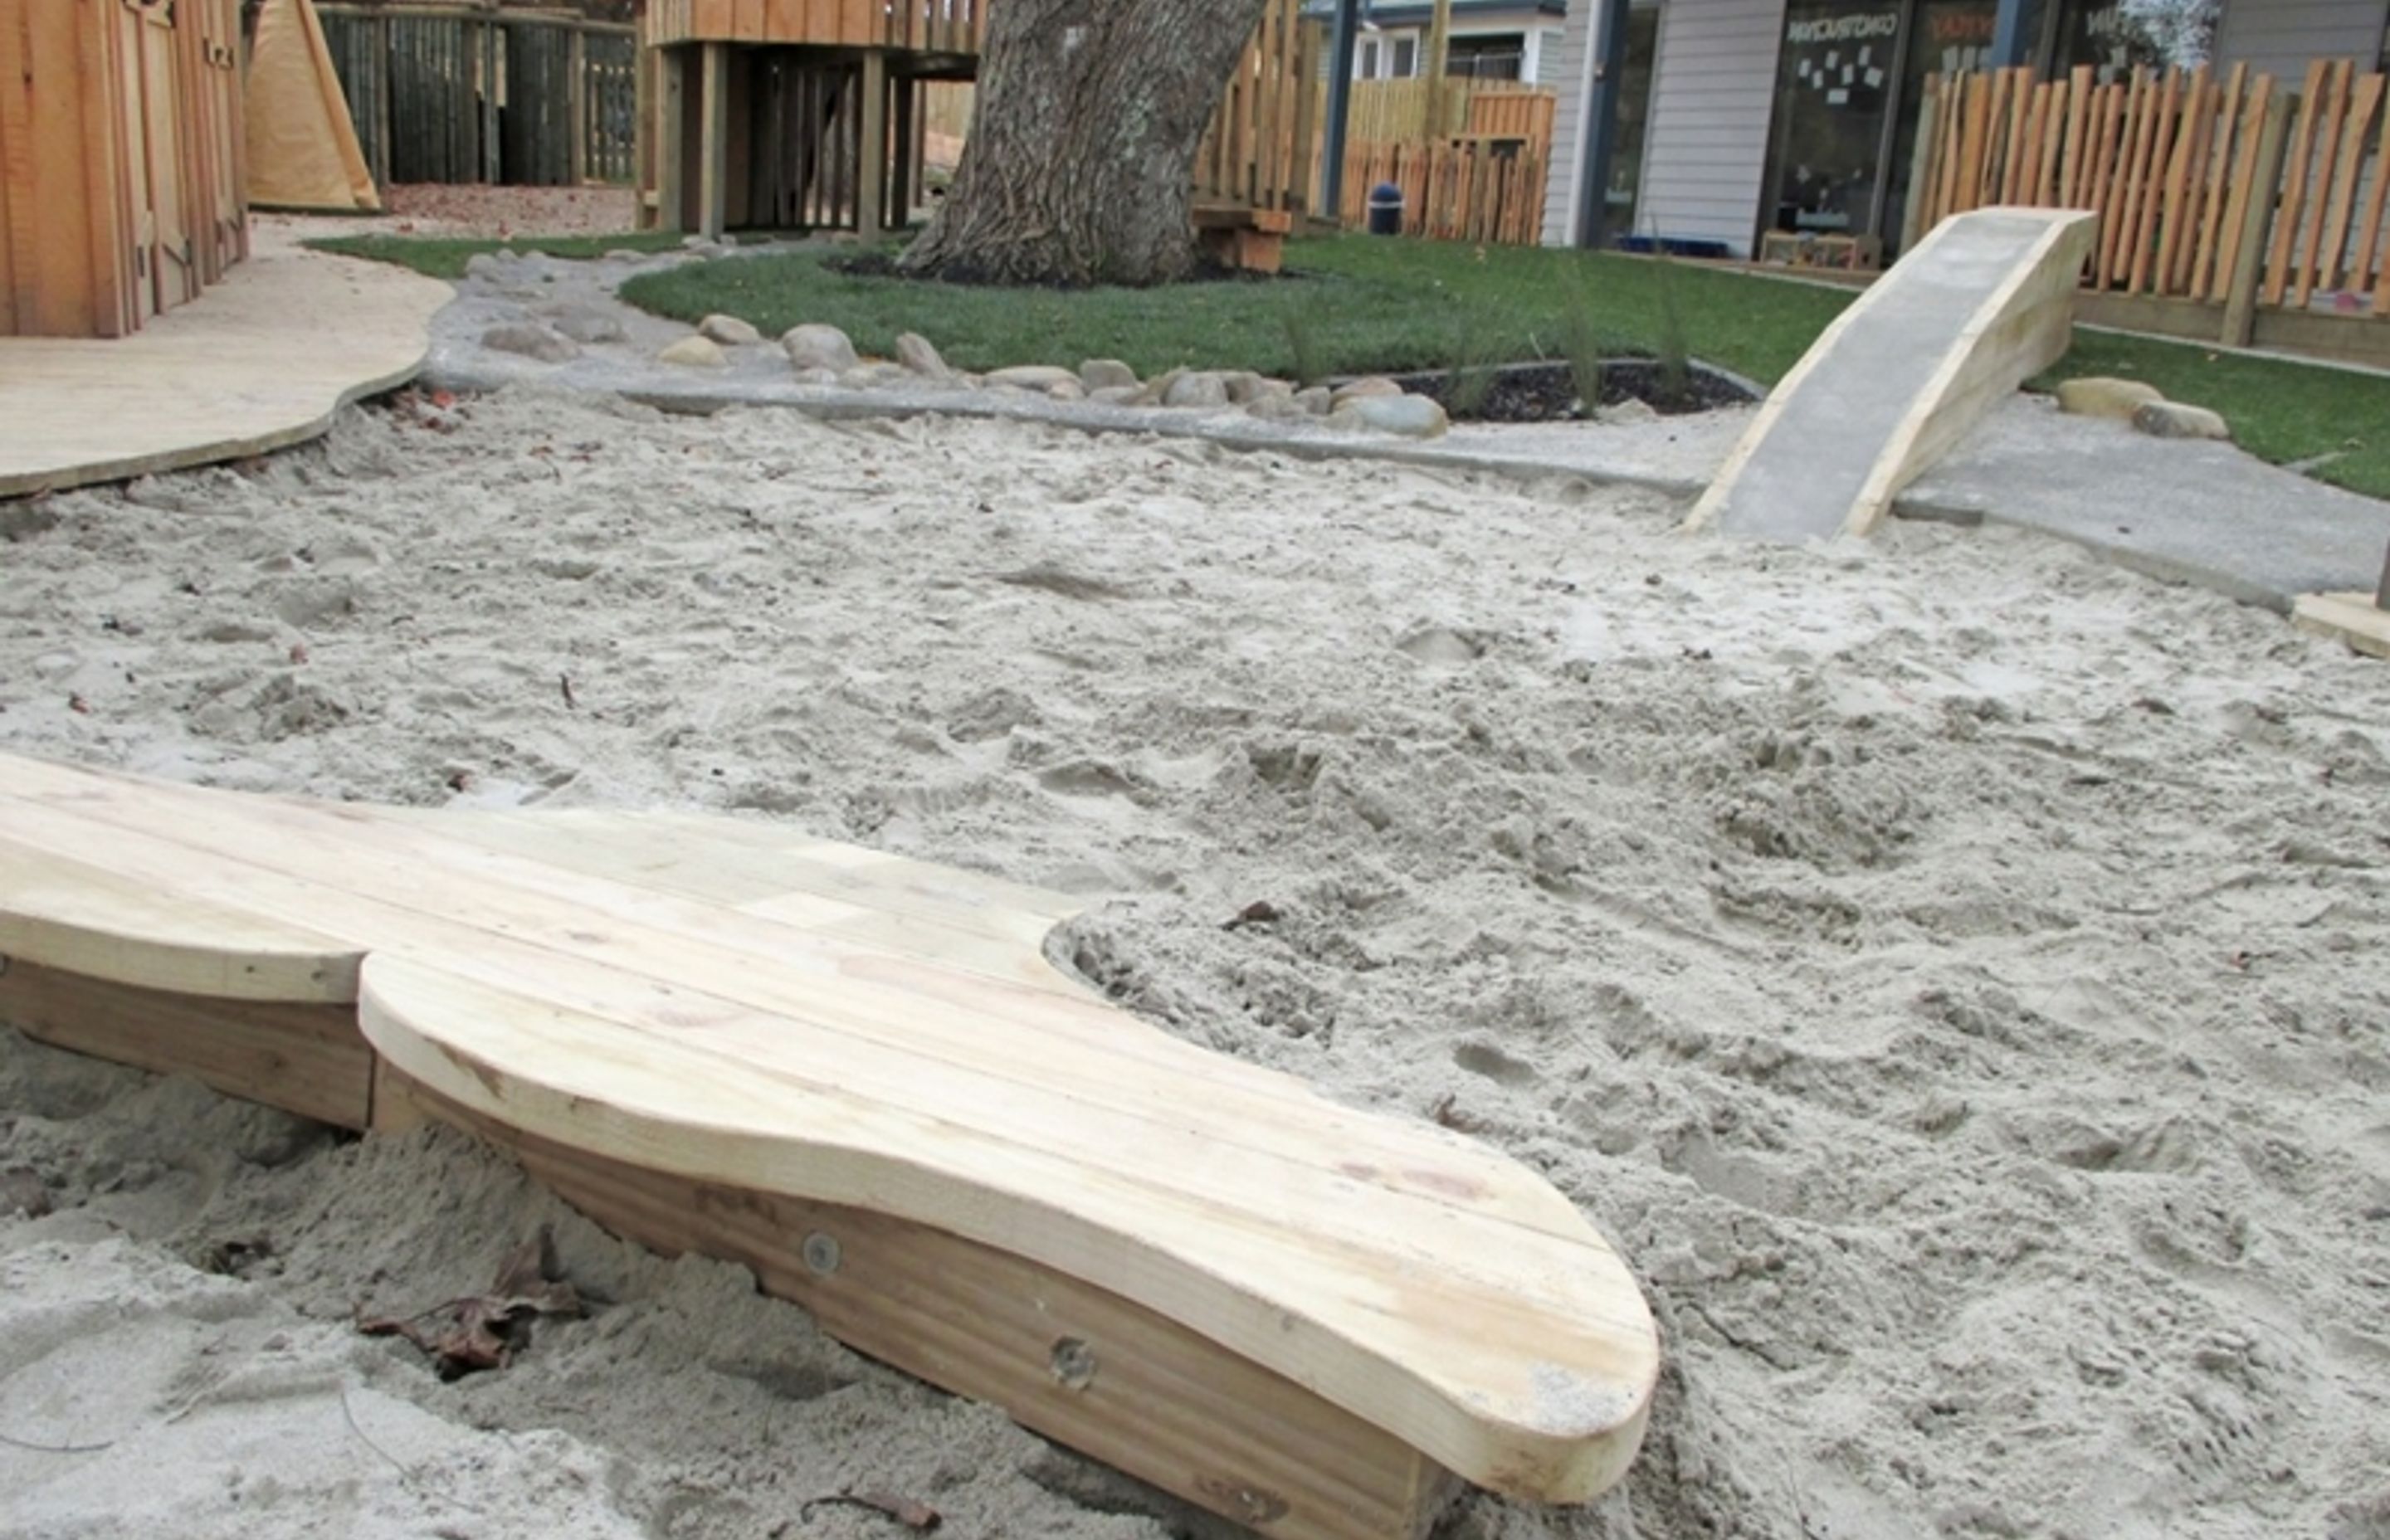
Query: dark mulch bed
{"type": "Point", "coordinates": [882, 264]}
{"type": "Point", "coordinates": [1546, 392]}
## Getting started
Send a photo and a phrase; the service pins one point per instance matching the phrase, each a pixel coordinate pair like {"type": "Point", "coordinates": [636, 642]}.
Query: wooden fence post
{"type": "Point", "coordinates": [2241, 299]}
{"type": "Point", "coordinates": [1921, 166]}
{"type": "Point", "coordinates": [576, 168]}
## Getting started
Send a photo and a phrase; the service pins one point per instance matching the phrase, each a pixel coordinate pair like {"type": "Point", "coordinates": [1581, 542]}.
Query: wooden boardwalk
{"type": "Point", "coordinates": [258, 363]}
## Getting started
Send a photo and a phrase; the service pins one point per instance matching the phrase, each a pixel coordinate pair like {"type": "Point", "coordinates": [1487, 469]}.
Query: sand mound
{"type": "Point", "coordinates": [1951, 970]}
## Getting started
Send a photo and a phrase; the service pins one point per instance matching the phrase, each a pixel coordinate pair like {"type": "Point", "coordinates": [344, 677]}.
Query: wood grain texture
{"type": "Point", "coordinates": [2353, 619]}
{"type": "Point", "coordinates": [1079, 1364]}
{"type": "Point", "coordinates": [309, 1059]}
{"type": "Point", "coordinates": [245, 371]}
{"type": "Point", "coordinates": [618, 1005]}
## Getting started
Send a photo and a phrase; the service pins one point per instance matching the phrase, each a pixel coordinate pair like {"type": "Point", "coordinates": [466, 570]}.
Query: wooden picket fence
{"type": "Point", "coordinates": [1252, 153]}
{"type": "Point", "coordinates": [442, 94]}
{"type": "Point", "coordinates": [1452, 189]}
{"type": "Point", "coordinates": [2224, 189]}
{"type": "Point", "coordinates": [1381, 111]}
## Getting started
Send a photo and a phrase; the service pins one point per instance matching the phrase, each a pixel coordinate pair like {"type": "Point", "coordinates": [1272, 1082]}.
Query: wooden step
{"type": "Point", "coordinates": [859, 1076]}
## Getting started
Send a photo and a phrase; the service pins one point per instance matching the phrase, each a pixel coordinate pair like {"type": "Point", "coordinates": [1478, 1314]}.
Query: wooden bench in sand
{"type": "Point", "coordinates": [858, 1076]}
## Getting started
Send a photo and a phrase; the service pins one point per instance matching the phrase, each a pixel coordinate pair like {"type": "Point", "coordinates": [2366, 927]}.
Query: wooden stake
{"type": "Point", "coordinates": [713, 137]}
{"type": "Point", "coordinates": [870, 198]}
{"type": "Point", "coordinates": [2248, 252]}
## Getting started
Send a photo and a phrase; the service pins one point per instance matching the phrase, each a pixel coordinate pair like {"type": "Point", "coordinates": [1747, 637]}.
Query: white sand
{"type": "Point", "coordinates": [1954, 972]}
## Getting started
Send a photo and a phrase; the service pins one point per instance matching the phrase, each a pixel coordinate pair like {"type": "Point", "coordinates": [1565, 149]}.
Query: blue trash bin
{"type": "Point", "coordinates": [1385, 210]}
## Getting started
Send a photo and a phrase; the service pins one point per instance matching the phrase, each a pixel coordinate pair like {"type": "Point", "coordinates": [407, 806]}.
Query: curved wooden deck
{"type": "Point", "coordinates": [859, 1075]}
{"type": "Point", "coordinates": [259, 362]}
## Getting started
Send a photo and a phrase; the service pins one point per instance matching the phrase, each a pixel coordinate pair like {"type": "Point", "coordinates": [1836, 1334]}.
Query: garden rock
{"type": "Point", "coordinates": [1317, 400]}
{"type": "Point", "coordinates": [2100, 397]}
{"type": "Point", "coordinates": [1118, 395]}
{"type": "Point", "coordinates": [624, 253]}
{"type": "Point", "coordinates": [586, 324]}
{"type": "Point", "coordinates": [1196, 389]}
{"type": "Point", "coordinates": [817, 376]}
{"type": "Point", "coordinates": [1161, 385]}
{"type": "Point", "coordinates": [1068, 389]}
{"type": "Point", "coordinates": [920, 357]}
{"type": "Point", "coordinates": [1034, 377]}
{"type": "Point", "coordinates": [2173, 419]}
{"type": "Point", "coordinates": [694, 352]}
{"type": "Point", "coordinates": [729, 330]}
{"type": "Point", "coordinates": [532, 340]}
{"type": "Point", "coordinates": [815, 346]}
{"type": "Point", "coordinates": [871, 376]}
{"type": "Point", "coordinates": [1103, 374]}
{"type": "Point", "coordinates": [1243, 386]}
{"type": "Point", "coordinates": [1364, 388]}
{"type": "Point", "coordinates": [1625, 413]}
{"type": "Point", "coordinates": [1407, 415]}
{"type": "Point", "coordinates": [1277, 408]}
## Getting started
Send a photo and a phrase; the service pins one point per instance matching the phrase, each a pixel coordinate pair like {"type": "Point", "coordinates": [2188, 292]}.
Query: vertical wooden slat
{"type": "Point", "coordinates": [2148, 181]}
{"type": "Point", "coordinates": [2223, 154]}
{"type": "Point", "coordinates": [2372, 263]}
{"type": "Point", "coordinates": [2294, 181]}
{"type": "Point", "coordinates": [2242, 292]}
{"type": "Point", "coordinates": [2181, 185]}
{"type": "Point", "coordinates": [2309, 258]}
{"type": "Point", "coordinates": [2362, 102]}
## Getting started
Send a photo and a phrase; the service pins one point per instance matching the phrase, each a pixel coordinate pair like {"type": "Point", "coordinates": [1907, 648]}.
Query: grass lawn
{"type": "Point", "coordinates": [2290, 413]}
{"type": "Point", "coordinates": [446, 256]}
{"type": "Point", "coordinates": [1371, 304]}
{"type": "Point", "coordinates": [1367, 304]}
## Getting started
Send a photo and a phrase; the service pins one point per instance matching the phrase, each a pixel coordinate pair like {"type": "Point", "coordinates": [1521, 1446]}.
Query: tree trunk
{"type": "Point", "coordinates": [1081, 159]}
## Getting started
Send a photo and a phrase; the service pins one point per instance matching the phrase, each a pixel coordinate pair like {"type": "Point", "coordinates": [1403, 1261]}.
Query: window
{"type": "Point", "coordinates": [1834, 83]}
{"type": "Point", "coordinates": [1493, 56]}
{"type": "Point", "coordinates": [2115, 38]}
{"type": "Point", "coordinates": [1365, 66]}
{"type": "Point", "coordinates": [1405, 57]}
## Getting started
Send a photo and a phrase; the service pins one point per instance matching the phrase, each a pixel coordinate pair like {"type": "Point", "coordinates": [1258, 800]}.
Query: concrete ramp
{"type": "Point", "coordinates": [1981, 305]}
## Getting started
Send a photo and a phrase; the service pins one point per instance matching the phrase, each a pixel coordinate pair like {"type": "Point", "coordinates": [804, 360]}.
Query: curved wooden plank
{"type": "Point", "coordinates": [58, 912]}
{"type": "Point", "coordinates": [603, 998]}
{"type": "Point", "coordinates": [1543, 1394]}
{"type": "Point", "coordinates": [1985, 302]}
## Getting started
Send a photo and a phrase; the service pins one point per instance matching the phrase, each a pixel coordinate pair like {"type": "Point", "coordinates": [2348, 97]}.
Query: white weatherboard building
{"type": "Point", "coordinates": [1732, 117]}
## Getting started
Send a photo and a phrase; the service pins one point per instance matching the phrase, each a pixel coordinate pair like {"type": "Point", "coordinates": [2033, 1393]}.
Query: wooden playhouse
{"type": "Point", "coordinates": [120, 150]}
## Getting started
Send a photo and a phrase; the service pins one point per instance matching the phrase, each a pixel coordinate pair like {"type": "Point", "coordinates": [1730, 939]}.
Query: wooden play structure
{"type": "Point", "coordinates": [121, 160]}
{"type": "Point", "coordinates": [302, 150]}
{"type": "Point", "coordinates": [858, 1076]}
{"type": "Point", "coordinates": [810, 114]}
{"type": "Point", "coordinates": [529, 97]}
{"type": "Point", "coordinates": [1981, 305]}
{"type": "Point", "coordinates": [793, 113]}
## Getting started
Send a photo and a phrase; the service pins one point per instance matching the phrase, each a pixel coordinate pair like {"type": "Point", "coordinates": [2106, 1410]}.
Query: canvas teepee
{"type": "Point", "coordinates": [302, 150]}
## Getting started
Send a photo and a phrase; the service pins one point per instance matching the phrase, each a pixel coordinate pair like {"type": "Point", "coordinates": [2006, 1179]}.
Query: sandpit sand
{"type": "Point", "coordinates": [1954, 971]}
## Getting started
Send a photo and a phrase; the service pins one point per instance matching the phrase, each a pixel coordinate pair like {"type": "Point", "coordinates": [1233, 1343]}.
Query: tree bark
{"type": "Point", "coordinates": [1081, 159]}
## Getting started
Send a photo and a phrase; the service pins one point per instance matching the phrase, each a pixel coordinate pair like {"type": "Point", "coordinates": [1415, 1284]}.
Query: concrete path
{"type": "Point", "coordinates": [2200, 513]}
{"type": "Point", "coordinates": [2183, 510]}
{"type": "Point", "coordinates": [259, 362]}
{"type": "Point", "coordinates": [1957, 324]}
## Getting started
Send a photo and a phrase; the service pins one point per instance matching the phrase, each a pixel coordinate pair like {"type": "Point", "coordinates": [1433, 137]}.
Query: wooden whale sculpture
{"type": "Point", "coordinates": [858, 1075]}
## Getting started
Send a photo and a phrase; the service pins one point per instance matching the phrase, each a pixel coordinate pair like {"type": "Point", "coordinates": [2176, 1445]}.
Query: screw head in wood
{"type": "Point", "coordinates": [820, 1252]}
{"type": "Point", "coordinates": [1073, 1361]}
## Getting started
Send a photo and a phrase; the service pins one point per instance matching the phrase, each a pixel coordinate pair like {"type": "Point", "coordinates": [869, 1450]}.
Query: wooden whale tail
{"type": "Point", "coordinates": [860, 1077]}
